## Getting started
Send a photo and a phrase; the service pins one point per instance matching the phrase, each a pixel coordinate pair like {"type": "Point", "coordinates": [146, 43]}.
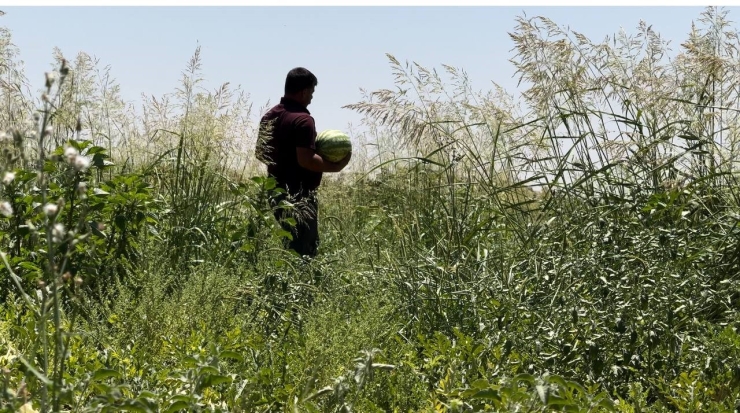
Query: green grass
{"type": "Point", "coordinates": [578, 254]}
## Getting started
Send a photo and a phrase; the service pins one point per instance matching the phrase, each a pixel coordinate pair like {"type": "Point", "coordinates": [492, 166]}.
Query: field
{"type": "Point", "coordinates": [575, 250]}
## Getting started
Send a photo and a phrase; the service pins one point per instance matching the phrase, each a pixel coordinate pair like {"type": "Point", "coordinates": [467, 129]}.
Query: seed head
{"type": "Point", "coordinates": [8, 178]}
{"type": "Point", "coordinates": [78, 281]}
{"type": "Point", "coordinates": [82, 163]}
{"type": "Point", "coordinates": [50, 78]}
{"type": "Point", "coordinates": [71, 153]}
{"type": "Point", "coordinates": [82, 190]}
{"type": "Point", "coordinates": [58, 232]}
{"type": "Point", "coordinates": [64, 70]}
{"type": "Point", "coordinates": [50, 209]}
{"type": "Point", "coordinates": [6, 209]}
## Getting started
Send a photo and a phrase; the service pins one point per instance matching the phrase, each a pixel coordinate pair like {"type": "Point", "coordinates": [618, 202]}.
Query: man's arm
{"type": "Point", "coordinates": [306, 149]}
{"type": "Point", "coordinates": [308, 159]}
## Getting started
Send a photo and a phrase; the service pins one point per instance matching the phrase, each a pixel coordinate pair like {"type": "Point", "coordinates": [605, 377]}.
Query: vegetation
{"type": "Point", "coordinates": [577, 250]}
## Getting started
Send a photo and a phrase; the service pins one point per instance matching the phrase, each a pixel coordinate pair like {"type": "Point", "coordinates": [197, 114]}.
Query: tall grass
{"type": "Point", "coordinates": [589, 206]}
{"type": "Point", "coordinates": [575, 248]}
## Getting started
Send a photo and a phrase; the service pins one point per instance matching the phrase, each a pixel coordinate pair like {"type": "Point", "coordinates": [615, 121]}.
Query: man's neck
{"type": "Point", "coordinates": [294, 99]}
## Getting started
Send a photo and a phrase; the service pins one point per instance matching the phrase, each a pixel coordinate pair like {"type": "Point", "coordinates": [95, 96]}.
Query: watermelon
{"type": "Point", "coordinates": [333, 145]}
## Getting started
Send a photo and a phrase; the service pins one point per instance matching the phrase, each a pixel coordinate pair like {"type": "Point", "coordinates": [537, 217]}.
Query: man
{"type": "Point", "coordinates": [287, 145]}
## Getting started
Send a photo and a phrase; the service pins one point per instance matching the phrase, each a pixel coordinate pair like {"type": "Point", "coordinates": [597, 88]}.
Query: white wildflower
{"type": "Point", "coordinates": [70, 153]}
{"type": "Point", "coordinates": [82, 190]}
{"type": "Point", "coordinates": [8, 178]}
{"type": "Point", "coordinates": [6, 209]}
{"type": "Point", "coordinates": [82, 163]}
{"type": "Point", "coordinates": [50, 209]}
{"type": "Point", "coordinates": [4, 136]}
{"type": "Point", "coordinates": [57, 233]}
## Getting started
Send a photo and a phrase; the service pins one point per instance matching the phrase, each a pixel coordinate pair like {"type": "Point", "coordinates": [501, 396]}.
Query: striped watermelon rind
{"type": "Point", "coordinates": [333, 145]}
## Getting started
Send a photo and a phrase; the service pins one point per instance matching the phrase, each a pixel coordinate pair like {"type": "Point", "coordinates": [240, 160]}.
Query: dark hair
{"type": "Point", "coordinates": [299, 79]}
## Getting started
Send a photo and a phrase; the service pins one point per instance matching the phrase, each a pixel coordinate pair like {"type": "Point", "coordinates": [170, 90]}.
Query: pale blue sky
{"type": "Point", "coordinates": [254, 47]}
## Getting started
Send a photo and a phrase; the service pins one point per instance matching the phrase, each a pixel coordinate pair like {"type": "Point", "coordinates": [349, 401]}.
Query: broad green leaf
{"type": "Point", "coordinates": [103, 374]}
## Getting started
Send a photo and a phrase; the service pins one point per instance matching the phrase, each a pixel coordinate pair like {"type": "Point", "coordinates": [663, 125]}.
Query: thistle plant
{"type": "Point", "coordinates": [45, 209]}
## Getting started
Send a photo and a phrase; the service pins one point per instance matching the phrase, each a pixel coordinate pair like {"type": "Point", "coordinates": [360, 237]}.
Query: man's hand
{"type": "Point", "coordinates": [313, 162]}
{"type": "Point", "coordinates": [338, 166]}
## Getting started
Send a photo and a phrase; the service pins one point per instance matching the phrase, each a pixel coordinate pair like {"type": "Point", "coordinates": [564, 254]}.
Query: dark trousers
{"type": "Point", "coordinates": [305, 212]}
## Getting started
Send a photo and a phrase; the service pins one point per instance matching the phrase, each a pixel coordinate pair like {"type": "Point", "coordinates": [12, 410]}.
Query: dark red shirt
{"type": "Point", "coordinates": [293, 128]}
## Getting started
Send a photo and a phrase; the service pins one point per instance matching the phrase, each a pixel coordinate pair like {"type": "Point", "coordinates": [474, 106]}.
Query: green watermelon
{"type": "Point", "coordinates": [333, 145]}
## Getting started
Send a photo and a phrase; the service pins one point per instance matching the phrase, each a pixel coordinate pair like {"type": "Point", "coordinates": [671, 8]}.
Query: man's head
{"type": "Point", "coordinates": [300, 84]}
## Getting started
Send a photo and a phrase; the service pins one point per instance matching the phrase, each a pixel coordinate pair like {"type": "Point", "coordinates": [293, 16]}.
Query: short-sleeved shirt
{"type": "Point", "coordinates": [292, 126]}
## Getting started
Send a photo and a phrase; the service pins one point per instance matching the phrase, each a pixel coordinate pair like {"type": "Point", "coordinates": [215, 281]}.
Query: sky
{"type": "Point", "coordinates": [253, 47]}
